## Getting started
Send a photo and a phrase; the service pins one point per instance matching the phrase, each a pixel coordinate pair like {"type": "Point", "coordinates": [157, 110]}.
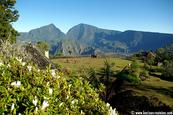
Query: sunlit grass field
{"type": "Point", "coordinates": [155, 86]}
{"type": "Point", "coordinates": [97, 63]}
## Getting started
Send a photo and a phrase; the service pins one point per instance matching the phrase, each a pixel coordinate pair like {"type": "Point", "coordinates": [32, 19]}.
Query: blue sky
{"type": "Point", "coordinates": [142, 15]}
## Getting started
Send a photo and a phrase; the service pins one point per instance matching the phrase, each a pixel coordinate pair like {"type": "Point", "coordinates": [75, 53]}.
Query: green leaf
{"type": "Point", "coordinates": [2, 89]}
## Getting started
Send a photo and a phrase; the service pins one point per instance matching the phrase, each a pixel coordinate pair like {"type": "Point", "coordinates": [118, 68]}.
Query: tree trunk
{"type": "Point", "coordinates": [107, 84]}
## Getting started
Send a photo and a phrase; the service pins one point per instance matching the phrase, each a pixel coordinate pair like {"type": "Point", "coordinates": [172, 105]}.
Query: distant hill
{"type": "Point", "coordinates": [66, 45]}
{"type": "Point", "coordinates": [116, 41]}
{"type": "Point", "coordinates": [86, 39]}
{"type": "Point", "coordinates": [49, 34]}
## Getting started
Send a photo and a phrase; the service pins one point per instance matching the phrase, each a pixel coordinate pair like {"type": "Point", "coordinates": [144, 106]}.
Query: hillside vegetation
{"type": "Point", "coordinates": [71, 45]}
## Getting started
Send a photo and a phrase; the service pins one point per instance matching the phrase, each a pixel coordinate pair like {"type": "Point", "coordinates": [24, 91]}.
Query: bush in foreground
{"type": "Point", "coordinates": [7, 49]}
{"type": "Point", "coordinates": [24, 89]}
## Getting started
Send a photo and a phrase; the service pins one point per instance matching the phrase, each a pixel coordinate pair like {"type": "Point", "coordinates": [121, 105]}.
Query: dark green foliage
{"type": "Point", "coordinates": [8, 14]}
{"type": "Point", "coordinates": [130, 78]}
{"type": "Point", "coordinates": [70, 52]}
{"type": "Point", "coordinates": [146, 66]}
{"type": "Point", "coordinates": [144, 72]}
{"type": "Point", "coordinates": [108, 65]}
{"type": "Point", "coordinates": [94, 80]}
{"type": "Point", "coordinates": [74, 72]}
{"type": "Point", "coordinates": [151, 61]}
{"type": "Point", "coordinates": [164, 53]}
{"type": "Point", "coordinates": [168, 67]}
{"type": "Point", "coordinates": [134, 67]}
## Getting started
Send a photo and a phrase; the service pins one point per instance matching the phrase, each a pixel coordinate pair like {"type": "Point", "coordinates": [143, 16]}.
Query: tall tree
{"type": "Point", "coordinates": [160, 54]}
{"type": "Point", "coordinates": [94, 80]}
{"type": "Point", "coordinates": [151, 61]}
{"type": "Point", "coordinates": [108, 65]}
{"type": "Point", "coordinates": [70, 52]}
{"type": "Point", "coordinates": [43, 46]}
{"type": "Point", "coordinates": [8, 14]}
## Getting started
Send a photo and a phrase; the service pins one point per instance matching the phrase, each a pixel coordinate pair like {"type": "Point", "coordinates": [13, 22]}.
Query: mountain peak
{"type": "Point", "coordinates": [50, 26]}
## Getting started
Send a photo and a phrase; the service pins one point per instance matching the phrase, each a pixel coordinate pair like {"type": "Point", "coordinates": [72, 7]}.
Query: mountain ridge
{"type": "Point", "coordinates": [108, 41]}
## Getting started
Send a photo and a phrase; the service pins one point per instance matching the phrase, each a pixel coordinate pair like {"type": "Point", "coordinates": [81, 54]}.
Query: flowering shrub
{"type": "Point", "coordinates": [24, 89]}
{"type": "Point", "coordinates": [7, 49]}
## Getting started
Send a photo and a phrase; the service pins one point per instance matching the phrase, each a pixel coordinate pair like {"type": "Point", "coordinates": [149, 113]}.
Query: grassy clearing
{"type": "Point", "coordinates": [91, 62]}
{"type": "Point", "coordinates": [155, 86]}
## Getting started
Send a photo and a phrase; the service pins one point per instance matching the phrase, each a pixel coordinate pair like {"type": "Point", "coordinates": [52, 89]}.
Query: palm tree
{"type": "Point", "coordinates": [108, 65]}
{"type": "Point", "coordinates": [94, 80]}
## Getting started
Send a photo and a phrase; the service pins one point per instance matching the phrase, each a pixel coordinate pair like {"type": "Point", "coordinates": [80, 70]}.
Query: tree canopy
{"type": "Point", "coordinates": [70, 52]}
{"type": "Point", "coordinates": [8, 14]}
{"type": "Point", "coordinates": [43, 46]}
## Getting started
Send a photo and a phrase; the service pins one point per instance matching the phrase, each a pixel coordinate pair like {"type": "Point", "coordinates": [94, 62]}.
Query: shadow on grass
{"type": "Point", "coordinates": [161, 77]}
{"type": "Point", "coordinates": [163, 91]}
{"type": "Point", "coordinates": [118, 66]}
{"type": "Point", "coordinates": [158, 89]}
{"type": "Point", "coordinates": [127, 103]}
{"type": "Point", "coordinates": [128, 100]}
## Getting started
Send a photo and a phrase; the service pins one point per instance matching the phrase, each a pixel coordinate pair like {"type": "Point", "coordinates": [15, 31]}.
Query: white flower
{"type": "Point", "coordinates": [19, 114]}
{"type": "Point", "coordinates": [75, 100]}
{"type": "Point", "coordinates": [12, 106]}
{"type": "Point", "coordinates": [3, 73]}
{"type": "Point", "coordinates": [47, 83]}
{"type": "Point", "coordinates": [72, 102]}
{"type": "Point", "coordinates": [29, 67]}
{"type": "Point", "coordinates": [81, 112]}
{"type": "Point", "coordinates": [20, 60]}
{"type": "Point", "coordinates": [45, 104]}
{"type": "Point", "coordinates": [45, 97]}
{"type": "Point", "coordinates": [18, 83]}
{"type": "Point", "coordinates": [8, 65]}
{"type": "Point", "coordinates": [1, 63]}
{"type": "Point", "coordinates": [35, 101]}
{"type": "Point", "coordinates": [96, 99]}
{"type": "Point", "coordinates": [70, 85]}
{"type": "Point", "coordinates": [23, 64]}
{"type": "Point", "coordinates": [58, 77]}
{"type": "Point", "coordinates": [13, 83]}
{"type": "Point", "coordinates": [53, 72]}
{"type": "Point", "coordinates": [38, 88]}
{"type": "Point", "coordinates": [107, 104]}
{"type": "Point", "coordinates": [36, 109]}
{"type": "Point", "coordinates": [112, 112]}
{"type": "Point", "coordinates": [38, 70]}
{"type": "Point", "coordinates": [67, 96]}
{"type": "Point", "coordinates": [50, 91]}
{"type": "Point", "coordinates": [111, 108]}
{"type": "Point", "coordinates": [61, 104]}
